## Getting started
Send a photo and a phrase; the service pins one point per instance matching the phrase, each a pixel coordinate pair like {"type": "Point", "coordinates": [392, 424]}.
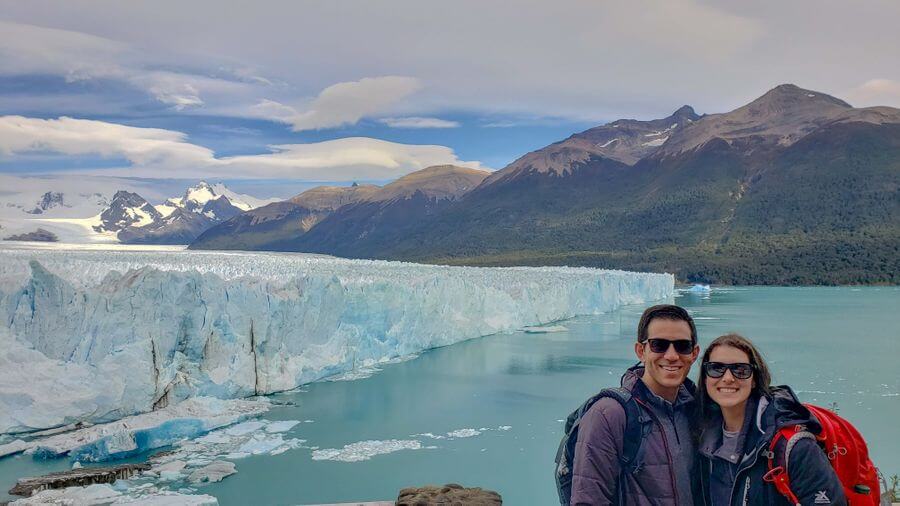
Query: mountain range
{"type": "Point", "coordinates": [175, 221]}
{"type": "Point", "coordinates": [69, 213]}
{"type": "Point", "coordinates": [796, 187]}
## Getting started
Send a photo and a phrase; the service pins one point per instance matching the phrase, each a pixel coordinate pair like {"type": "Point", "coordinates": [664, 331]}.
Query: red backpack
{"type": "Point", "coordinates": [846, 450]}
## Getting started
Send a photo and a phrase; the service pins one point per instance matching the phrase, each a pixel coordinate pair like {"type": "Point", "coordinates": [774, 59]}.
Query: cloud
{"type": "Point", "coordinates": [419, 122]}
{"type": "Point", "coordinates": [345, 159]}
{"type": "Point", "coordinates": [582, 60]}
{"type": "Point", "coordinates": [875, 92]}
{"type": "Point", "coordinates": [343, 103]}
{"type": "Point", "coordinates": [140, 146]}
{"type": "Point", "coordinates": [29, 50]}
{"type": "Point", "coordinates": [159, 153]}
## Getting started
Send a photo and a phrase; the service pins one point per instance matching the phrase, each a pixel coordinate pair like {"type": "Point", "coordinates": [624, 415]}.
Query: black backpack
{"type": "Point", "coordinates": [631, 446]}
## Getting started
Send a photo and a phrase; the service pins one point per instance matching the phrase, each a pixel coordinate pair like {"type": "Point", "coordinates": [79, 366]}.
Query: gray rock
{"type": "Point", "coordinates": [40, 235]}
{"type": "Point", "coordinates": [450, 493]}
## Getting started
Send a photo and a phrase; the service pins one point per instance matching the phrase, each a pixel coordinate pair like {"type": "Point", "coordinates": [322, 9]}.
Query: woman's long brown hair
{"type": "Point", "coordinates": [761, 377]}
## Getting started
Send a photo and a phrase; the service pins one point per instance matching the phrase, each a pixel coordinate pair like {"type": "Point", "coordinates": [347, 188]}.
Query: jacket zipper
{"type": "Point", "coordinates": [746, 489]}
{"type": "Point", "coordinates": [662, 431]}
{"type": "Point", "coordinates": [738, 475]}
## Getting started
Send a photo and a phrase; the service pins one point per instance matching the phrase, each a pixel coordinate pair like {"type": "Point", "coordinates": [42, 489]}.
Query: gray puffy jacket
{"type": "Point", "coordinates": [668, 448]}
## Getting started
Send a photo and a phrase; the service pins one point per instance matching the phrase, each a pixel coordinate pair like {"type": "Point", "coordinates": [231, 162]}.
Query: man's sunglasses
{"type": "Point", "coordinates": [739, 370]}
{"type": "Point", "coordinates": [682, 346]}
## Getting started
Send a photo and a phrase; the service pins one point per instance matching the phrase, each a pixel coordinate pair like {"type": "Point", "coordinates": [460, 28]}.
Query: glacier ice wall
{"type": "Point", "coordinates": [98, 335]}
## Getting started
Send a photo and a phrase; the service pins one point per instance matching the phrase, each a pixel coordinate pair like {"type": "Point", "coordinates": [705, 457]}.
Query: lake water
{"type": "Point", "coordinates": [488, 412]}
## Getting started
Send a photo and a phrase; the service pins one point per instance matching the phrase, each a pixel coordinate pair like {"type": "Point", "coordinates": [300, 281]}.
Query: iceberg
{"type": "Point", "coordinates": [94, 336]}
{"type": "Point", "coordinates": [103, 494]}
{"type": "Point", "coordinates": [139, 433]}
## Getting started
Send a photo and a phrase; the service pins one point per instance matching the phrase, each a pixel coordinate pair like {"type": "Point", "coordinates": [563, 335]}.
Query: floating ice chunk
{"type": "Point", "coordinates": [460, 433]}
{"type": "Point", "coordinates": [504, 427]}
{"type": "Point", "coordinates": [242, 429]}
{"type": "Point", "coordinates": [365, 450]}
{"type": "Point", "coordinates": [282, 426]}
{"type": "Point", "coordinates": [139, 433]}
{"type": "Point", "coordinates": [168, 498]}
{"type": "Point", "coordinates": [87, 496]}
{"type": "Point", "coordinates": [258, 446]}
{"type": "Point", "coordinates": [429, 435]}
{"type": "Point", "coordinates": [700, 288]}
{"type": "Point", "coordinates": [14, 447]}
{"type": "Point", "coordinates": [545, 329]}
{"type": "Point", "coordinates": [214, 472]}
{"type": "Point", "coordinates": [175, 465]}
{"type": "Point", "coordinates": [169, 475]}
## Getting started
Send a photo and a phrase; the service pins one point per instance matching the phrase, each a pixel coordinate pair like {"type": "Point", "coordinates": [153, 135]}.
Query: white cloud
{"type": "Point", "coordinates": [270, 109]}
{"type": "Point", "coordinates": [141, 146]}
{"type": "Point", "coordinates": [419, 122]}
{"type": "Point", "coordinates": [158, 153]}
{"type": "Point", "coordinates": [875, 92]}
{"type": "Point", "coordinates": [578, 60]}
{"type": "Point", "coordinates": [79, 57]}
{"type": "Point", "coordinates": [343, 103]}
{"type": "Point", "coordinates": [344, 159]}
{"type": "Point", "coordinates": [28, 49]}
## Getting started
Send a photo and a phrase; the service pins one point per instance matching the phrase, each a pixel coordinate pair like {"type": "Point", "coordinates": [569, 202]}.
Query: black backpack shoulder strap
{"type": "Point", "coordinates": [633, 427]}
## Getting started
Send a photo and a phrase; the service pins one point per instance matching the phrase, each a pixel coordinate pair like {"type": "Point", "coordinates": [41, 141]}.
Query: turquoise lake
{"type": "Point", "coordinates": [487, 412]}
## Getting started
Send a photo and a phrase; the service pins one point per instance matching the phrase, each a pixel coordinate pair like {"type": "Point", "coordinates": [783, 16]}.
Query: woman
{"type": "Point", "coordinates": [740, 414]}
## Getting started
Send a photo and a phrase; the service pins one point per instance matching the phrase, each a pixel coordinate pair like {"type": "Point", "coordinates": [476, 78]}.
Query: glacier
{"type": "Point", "coordinates": [93, 336]}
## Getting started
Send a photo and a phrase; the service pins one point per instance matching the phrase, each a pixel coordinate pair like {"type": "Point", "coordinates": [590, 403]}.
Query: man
{"type": "Point", "coordinates": [666, 347]}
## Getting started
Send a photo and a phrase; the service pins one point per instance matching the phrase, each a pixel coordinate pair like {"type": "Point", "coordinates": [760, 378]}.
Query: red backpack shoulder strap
{"type": "Point", "coordinates": [778, 470]}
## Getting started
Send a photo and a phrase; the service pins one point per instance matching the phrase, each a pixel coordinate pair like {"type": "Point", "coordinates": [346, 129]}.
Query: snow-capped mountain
{"type": "Point", "coordinates": [127, 210]}
{"type": "Point", "coordinates": [48, 201]}
{"type": "Point", "coordinates": [179, 220]}
{"type": "Point", "coordinates": [91, 209]}
{"type": "Point", "coordinates": [213, 201]}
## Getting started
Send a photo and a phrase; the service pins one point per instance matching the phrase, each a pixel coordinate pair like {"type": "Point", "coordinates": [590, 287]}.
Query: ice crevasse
{"type": "Point", "coordinates": [99, 335]}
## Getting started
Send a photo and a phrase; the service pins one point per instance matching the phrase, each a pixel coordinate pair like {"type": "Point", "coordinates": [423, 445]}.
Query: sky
{"type": "Point", "coordinates": [346, 91]}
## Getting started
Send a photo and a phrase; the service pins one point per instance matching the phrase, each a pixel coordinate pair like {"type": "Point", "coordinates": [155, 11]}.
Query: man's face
{"type": "Point", "coordinates": [665, 371]}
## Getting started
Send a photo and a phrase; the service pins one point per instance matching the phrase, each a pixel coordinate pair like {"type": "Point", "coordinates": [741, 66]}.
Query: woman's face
{"type": "Point", "coordinates": [729, 391]}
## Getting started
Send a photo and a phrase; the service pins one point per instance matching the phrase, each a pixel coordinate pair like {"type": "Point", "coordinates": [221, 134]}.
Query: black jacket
{"type": "Point", "coordinates": [812, 478]}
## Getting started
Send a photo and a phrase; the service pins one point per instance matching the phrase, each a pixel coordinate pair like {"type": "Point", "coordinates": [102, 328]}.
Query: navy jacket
{"type": "Point", "coordinates": [812, 478]}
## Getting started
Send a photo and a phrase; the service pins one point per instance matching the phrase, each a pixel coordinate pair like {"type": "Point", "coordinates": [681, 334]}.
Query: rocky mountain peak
{"type": "Point", "coordinates": [685, 113]}
{"type": "Point", "coordinates": [127, 209]}
{"type": "Point", "coordinates": [786, 98]}
{"type": "Point", "coordinates": [438, 181]}
{"type": "Point", "coordinates": [780, 117]}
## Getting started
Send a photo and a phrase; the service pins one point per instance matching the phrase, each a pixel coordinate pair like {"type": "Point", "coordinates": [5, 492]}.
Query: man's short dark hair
{"type": "Point", "coordinates": [665, 312]}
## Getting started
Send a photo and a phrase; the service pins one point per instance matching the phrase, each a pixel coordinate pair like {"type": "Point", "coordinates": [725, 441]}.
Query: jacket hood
{"type": "Point", "coordinates": [785, 409]}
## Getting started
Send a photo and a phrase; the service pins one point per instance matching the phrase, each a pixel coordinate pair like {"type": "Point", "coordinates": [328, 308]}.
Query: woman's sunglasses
{"type": "Point", "coordinates": [739, 370]}
{"type": "Point", "coordinates": [682, 346]}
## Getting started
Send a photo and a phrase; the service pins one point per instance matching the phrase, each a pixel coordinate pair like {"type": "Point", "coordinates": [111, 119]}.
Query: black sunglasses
{"type": "Point", "coordinates": [682, 346]}
{"type": "Point", "coordinates": [739, 370]}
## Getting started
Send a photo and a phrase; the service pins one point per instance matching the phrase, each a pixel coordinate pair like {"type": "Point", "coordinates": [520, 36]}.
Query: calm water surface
{"type": "Point", "coordinates": [833, 345]}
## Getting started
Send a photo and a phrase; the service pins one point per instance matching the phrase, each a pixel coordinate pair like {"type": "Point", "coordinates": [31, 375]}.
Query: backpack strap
{"type": "Point", "coordinates": [778, 474]}
{"type": "Point", "coordinates": [634, 437]}
{"type": "Point", "coordinates": [631, 444]}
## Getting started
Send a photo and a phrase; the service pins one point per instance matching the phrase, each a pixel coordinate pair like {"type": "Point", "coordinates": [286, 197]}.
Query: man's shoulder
{"type": "Point", "coordinates": [608, 409]}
